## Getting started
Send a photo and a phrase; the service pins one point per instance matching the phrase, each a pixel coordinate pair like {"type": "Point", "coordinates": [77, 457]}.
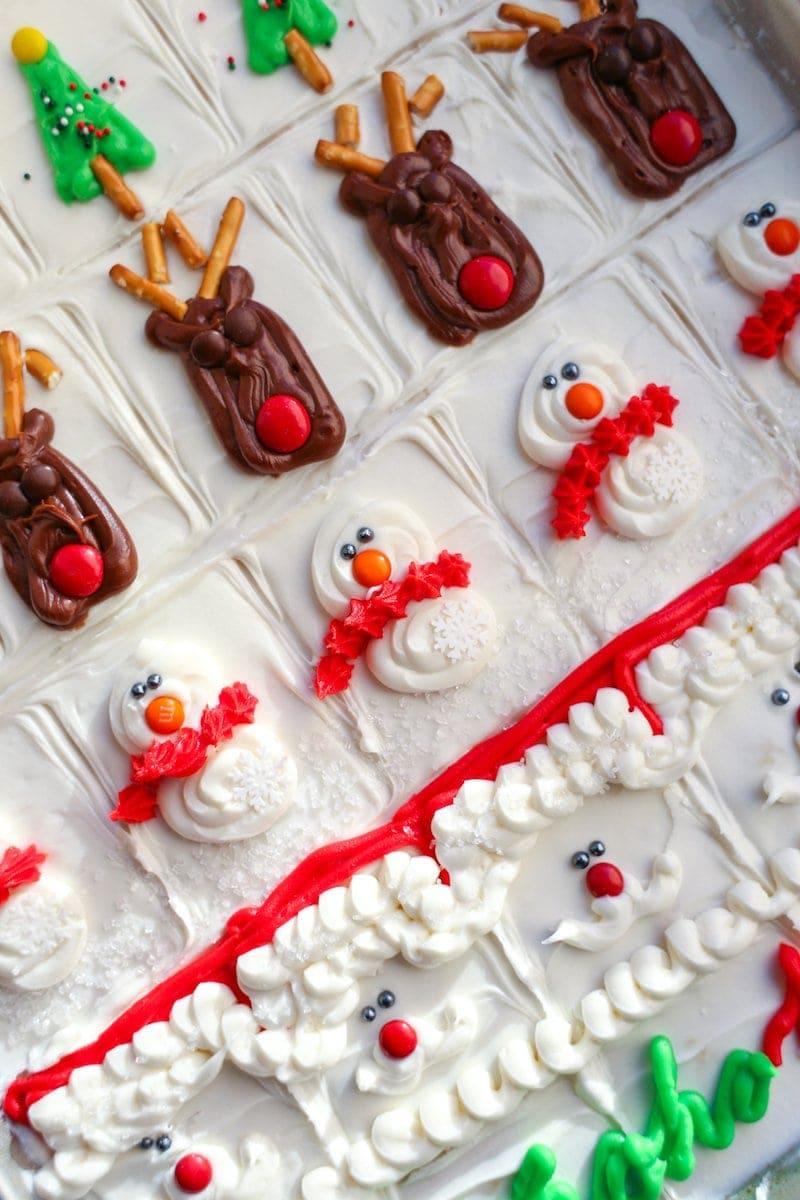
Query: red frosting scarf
{"type": "Point", "coordinates": [18, 867]}
{"type": "Point", "coordinates": [763, 334]}
{"type": "Point", "coordinates": [182, 754]}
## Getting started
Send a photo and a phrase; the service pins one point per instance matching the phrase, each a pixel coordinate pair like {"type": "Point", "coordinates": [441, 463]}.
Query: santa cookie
{"type": "Point", "coordinates": [761, 250]}
{"type": "Point", "coordinates": [579, 416]}
{"type": "Point", "coordinates": [42, 923]}
{"type": "Point", "coordinates": [199, 757]}
{"type": "Point", "coordinates": [409, 611]}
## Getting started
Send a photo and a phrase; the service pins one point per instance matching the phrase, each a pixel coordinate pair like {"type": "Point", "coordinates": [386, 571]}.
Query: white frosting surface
{"type": "Point", "coordinates": [653, 489]}
{"type": "Point", "coordinates": [42, 934]}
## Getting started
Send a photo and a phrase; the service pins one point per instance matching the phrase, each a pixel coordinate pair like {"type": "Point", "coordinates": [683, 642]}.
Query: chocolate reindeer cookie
{"type": "Point", "coordinates": [265, 398]}
{"type": "Point", "coordinates": [64, 547]}
{"type": "Point", "coordinates": [460, 263]}
{"type": "Point", "coordinates": [634, 87]}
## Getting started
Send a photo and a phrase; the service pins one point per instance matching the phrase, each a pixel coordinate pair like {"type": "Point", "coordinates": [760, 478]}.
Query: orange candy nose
{"type": "Point", "coordinates": [164, 714]}
{"type": "Point", "coordinates": [371, 568]}
{"type": "Point", "coordinates": [584, 401]}
{"type": "Point", "coordinates": [782, 236]}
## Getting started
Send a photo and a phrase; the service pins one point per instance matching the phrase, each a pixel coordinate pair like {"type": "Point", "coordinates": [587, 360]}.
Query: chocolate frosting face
{"type": "Point", "coordinates": [237, 354]}
{"type": "Point", "coordinates": [618, 75]}
{"type": "Point", "coordinates": [428, 218]}
{"type": "Point", "coordinates": [47, 503]}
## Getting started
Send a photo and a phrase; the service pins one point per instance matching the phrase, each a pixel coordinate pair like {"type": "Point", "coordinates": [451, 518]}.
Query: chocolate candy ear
{"type": "Point", "coordinates": [209, 348]}
{"type": "Point", "coordinates": [644, 42]}
{"type": "Point", "coordinates": [614, 65]}
{"type": "Point", "coordinates": [437, 147]}
{"type": "Point", "coordinates": [242, 325]}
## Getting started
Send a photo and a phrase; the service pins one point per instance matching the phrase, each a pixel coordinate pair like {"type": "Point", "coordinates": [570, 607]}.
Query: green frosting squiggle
{"type": "Point", "coordinates": [265, 29]}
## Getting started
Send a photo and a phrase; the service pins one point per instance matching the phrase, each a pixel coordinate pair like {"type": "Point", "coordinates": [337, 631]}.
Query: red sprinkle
{"type": "Point", "coordinates": [87, 95]}
{"type": "Point", "coordinates": [73, 87]}
{"type": "Point", "coordinates": [351, 23]}
{"type": "Point", "coordinates": [123, 83]}
{"type": "Point", "coordinates": [104, 85]}
{"type": "Point", "coordinates": [201, 16]}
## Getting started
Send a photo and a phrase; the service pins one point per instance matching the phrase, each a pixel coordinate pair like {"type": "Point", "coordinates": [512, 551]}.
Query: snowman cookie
{"type": "Point", "coordinates": [761, 250]}
{"type": "Point", "coordinates": [42, 923]}
{"type": "Point", "coordinates": [212, 770]}
{"type": "Point", "coordinates": [408, 610]}
{"type": "Point", "coordinates": [579, 416]}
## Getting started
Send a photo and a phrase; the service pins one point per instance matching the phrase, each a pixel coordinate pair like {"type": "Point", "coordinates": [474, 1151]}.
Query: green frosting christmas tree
{"type": "Point", "coordinates": [266, 23]}
{"type": "Point", "coordinates": [89, 143]}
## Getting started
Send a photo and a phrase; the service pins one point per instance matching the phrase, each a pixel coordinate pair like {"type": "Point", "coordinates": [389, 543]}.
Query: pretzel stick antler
{"type": "Point", "coordinates": [528, 18]}
{"type": "Point", "coordinates": [13, 383]}
{"type": "Point", "coordinates": [398, 118]}
{"type": "Point", "coordinates": [348, 128]}
{"type": "Point", "coordinates": [590, 9]}
{"type": "Point", "coordinates": [427, 96]}
{"type": "Point", "coordinates": [42, 368]}
{"type": "Point", "coordinates": [145, 289]}
{"type": "Point", "coordinates": [189, 249]}
{"type": "Point", "coordinates": [222, 249]}
{"type": "Point", "coordinates": [507, 41]}
{"type": "Point", "coordinates": [342, 158]}
{"type": "Point", "coordinates": [154, 256]}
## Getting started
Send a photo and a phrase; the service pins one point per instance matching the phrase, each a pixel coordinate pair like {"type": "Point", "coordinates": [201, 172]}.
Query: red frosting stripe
{"type": "Point", "coordinates": [330, 866]}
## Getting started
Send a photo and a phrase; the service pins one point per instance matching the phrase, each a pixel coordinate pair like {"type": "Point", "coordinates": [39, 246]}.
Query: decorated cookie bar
{"type": "Point", "coordinates": [579, 416]}
{"type": "Point", "coordinates": [64, 547]}
{"type": "Point", "coordinates": [460, 263]}
{"type": "Point", "coordinates": [199, 756]}
{"type": "Point", "coordinates": [407, 609]}
{"type": "Point", "coordinates": [268, 405]}
{"type": "Point", "coordinates": [761, 251]}
{"type": "Point", "coordinates": [89, 143]}
{"type": "Point", "coordinates": [634, 87]}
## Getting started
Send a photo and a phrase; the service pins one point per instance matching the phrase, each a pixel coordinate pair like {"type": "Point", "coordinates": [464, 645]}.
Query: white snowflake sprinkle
{"type": "Point", "coordinates": [259, 779]}
{"type": "Point", "coordinates": [460, 630]}
{"type": "Point", "coordinates": [670, 473]}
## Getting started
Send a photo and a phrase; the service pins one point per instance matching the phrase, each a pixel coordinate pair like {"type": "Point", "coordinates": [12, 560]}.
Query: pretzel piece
{"type": "Point", "coordinates": [116, 188]}
{"type": "Point", "coordinates": [189, 249]}
{"type": "Point", "coordinates": [43, 369]}
{"type": "Point", "coordinates": [348, 129]}
{"type": "Point", "coordinates": [590, 9]}
{"type": "Point", "coordinates": [484, 41]}
{"type": "Point", "coordinates": [307, 61]}
{"type": "Point", "coordinates": [528, 18]}
{"type": "Point", "coordinates": [13, 383]}
{"type": "Point", "coordinates": [145, 289]}
{"type": "Point", "coordinates": [154, 255]}
{"type": "Point", "coordinates": [427, 96]}
{"type": "Point", "coordinates": [398, 118]}
{"type": "Point", "coordinates": [342, 158]}
{"type": "Point", "coordinates": [223, 247]}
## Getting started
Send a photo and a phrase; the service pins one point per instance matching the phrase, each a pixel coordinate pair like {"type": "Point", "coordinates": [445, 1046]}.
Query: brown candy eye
{"type": "Point", "coordinates": [209, 349]}
{"type": "Point", "coordinates": [39, 481]}
{"type": "Point", "coordinates": [435, 188]}
{"type": "Point", "coordinates": [644, 42]}
{"type": "Point", "coordinates": [404, 207]}
{"type": "Point", "coordinates": [13, 502]}
{"type": "Point", "coordinates": [242, 325]}
{"type": "Point", "coordinates": [613, 65]}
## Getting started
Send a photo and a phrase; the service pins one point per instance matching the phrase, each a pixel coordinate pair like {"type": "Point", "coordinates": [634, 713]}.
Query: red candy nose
{"type": "Point", "coordinates": [604, 879]}
{"type": "Point", "coordinates": [193, 1173]}
{"type": "Point", "coordinates": [283, 424]}
{"type": "Point", "coordinates": [676, 137]}
{"type": "Point", "coordinates": [398, 1039]}
{"type": "Point", "coordinates": [486, 282]}
{"type": "Point", "coordinates": [76, 570]}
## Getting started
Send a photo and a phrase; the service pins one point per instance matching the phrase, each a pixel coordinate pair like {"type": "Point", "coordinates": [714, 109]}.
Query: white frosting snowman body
{"type": "Point", "coordinates": [441, 642]}
{"type": "Point", "coordinates": [762, 257]}
{"type": "Point", "coordinates": [42, 934]}
{"type": "Point", "coordinates": [247, 782]}
{"type": "Point", "coordinates": [572, 387]}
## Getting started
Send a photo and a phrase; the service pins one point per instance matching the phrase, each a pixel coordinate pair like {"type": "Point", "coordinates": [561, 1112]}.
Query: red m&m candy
{"type": "Point", "coordinates": [283, 424]}
{"type": "Point", "coordinates": [398, 1039]}
{"type": "Point", "coordinates": [676, 137]}
{"type": "Point", "coordinates": [604, 879]}
{"type": "Point", "coordinates": [486, 282]}
{"type": "Point", "coordinates": [76, 570]}
{"type": "Point", "coordinates": [193, 1173]}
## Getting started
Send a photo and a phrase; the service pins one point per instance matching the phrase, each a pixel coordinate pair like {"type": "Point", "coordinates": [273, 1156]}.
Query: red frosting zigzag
{"type": "Point", "coordinates": [410, 828]}
{"type": "Point", "coordinates": [787, 1017]}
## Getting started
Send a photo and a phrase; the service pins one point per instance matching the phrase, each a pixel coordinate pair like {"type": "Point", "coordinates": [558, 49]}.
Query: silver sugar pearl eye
{"type": "Point", "coordinates": [386, 999]}
{"type": "Point", "coordinates": [147, 1143]}
{"type": "Point", "coordinates": [597, 848]}
{"type": "Point", "coordinates": [550, 382]}
{"type": "Point", "coordinates": [752, 219]}
{"type": "Point", "coordinates": [768, 210]}
{"type": "Point", "coordinates": [154, 681]}
{"type": "Point", "coordinates": [163, 1142]}
{"type": "Point", "coordinates": [580, 860]}
{"type": "Point", "coordinates": [138, 690]}
{"type": "Point", "coordinates": [780, 697]}
{"type": "Point", "coordinates": [348, 550]}
{"type": "Point", "coordinates": [368, 1013]}
{"type": "Point", "coordinates": [570, 371]}
{"type": "Point", "coordinates": [365, 534]}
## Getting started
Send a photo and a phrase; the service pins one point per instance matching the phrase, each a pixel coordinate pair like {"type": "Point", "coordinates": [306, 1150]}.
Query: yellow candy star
{"type": "Point", "coordinates": [28, 45]}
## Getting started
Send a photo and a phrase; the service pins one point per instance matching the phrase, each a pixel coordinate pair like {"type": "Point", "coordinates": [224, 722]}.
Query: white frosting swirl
{"type": "Point", "coordinates": [42, 934]}
{"type": "Point", "coordinates": [445, 1034]}
{"type": "Point", "coordinates": [547, 430]}
{"type": "Point", "coordinates": [747, 257]}
{"type": "Point", "coordinates": [246, 784]}
{"type": "Point", "coordinates": [187, 672]}
{"type": "Point", "coordinates": [439, 644]}
{"type": "Point", "coordinates": [616, 914]}
{"type": "Point", "coordinates": [399, 533]}
{"type": "Point", "coordinates": [253, 1174]}
{"type": "Point", "coordinates": [652, 489]}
